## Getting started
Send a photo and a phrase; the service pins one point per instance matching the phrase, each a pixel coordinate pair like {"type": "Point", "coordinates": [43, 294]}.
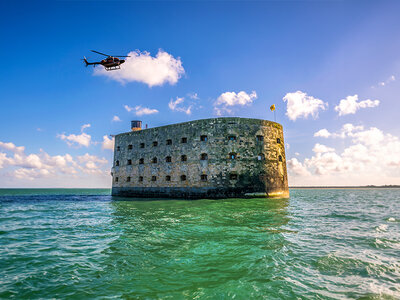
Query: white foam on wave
{"type": "Point", "coordinates": [391, 219]}
{"type": "Point", "coordinates": [382, 227]}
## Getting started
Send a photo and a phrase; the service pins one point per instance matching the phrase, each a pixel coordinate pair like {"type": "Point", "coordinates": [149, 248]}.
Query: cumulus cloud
{"type": "Point", "coordinates": [350, 105]}
{"type": "Point", "coordinates": [22, 166]}
{"type": "Point", "coordinates": [11, 147]}
{"type": "Point", "coordinates": [387, 81]}
{"type": "Point", "coordinates": [193, 96]}
{"type": "Point", "coordinates": [174, 105]}
{"type": "Point", "coordinates": [140, 111]}
{"type": "Point", "coordinates": [371, 157]}
{"type": "Point", "coordinates": [300, 105]}
{"type": "Point", "coordinates": [107, 143]}
{"type": "Point", "coordinates": [322, 133]}
{"type": "Point", "coordinates": [82, 139]}
{"type": "Point", "coordinates": [142, 67]}
{"type": "Point", "coordinates": [297, 167]}
{"type": "Point", "coordinates": [116, 119]}
{"type": "Point", "coordinates": [226, 101]}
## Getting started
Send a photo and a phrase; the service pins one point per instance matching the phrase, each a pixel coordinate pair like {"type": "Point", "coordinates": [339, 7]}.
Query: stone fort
{"type": "Point", "coordinates": [209, 158]}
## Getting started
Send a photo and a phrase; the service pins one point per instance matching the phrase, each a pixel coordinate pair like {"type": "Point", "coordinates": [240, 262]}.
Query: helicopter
{"type": "Point", "coordinates": [110, 63]}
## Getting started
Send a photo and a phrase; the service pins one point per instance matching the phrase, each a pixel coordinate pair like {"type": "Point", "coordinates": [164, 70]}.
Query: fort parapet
{"type": "Point", "coordinates": [210, 158]}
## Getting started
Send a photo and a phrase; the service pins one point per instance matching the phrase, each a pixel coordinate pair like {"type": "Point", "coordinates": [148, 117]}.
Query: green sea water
{"type": "Point", "coordinates": [319, 244]}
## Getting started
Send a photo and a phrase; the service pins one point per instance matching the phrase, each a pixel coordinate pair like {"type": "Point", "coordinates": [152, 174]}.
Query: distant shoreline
{"type": "Point", "coordinates": [348, 187]}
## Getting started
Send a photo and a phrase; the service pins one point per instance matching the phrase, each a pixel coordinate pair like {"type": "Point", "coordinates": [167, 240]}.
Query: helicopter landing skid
{"type": "Point", "coordinates": [112, 68]}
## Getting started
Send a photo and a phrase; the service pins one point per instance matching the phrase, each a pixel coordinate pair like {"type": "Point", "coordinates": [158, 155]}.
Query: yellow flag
{"type": "Point", "coordinates": [272, 107]}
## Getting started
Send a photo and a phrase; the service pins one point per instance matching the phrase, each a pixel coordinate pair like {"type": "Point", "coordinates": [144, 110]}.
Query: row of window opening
{"type": "Point", "coordinates": [203, 177]}
{"type": "Point", "coordinates": [203, 138]}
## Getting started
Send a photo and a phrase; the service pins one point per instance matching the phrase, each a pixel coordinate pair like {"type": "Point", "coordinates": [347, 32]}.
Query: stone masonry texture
{"type": "Point", "coordinates": [225, 157]}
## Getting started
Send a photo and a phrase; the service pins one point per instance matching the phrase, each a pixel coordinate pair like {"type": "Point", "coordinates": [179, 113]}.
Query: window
{"type": "Point", "coordinates": [140, 178]}
{"type": "Point", "coordinates": [167, 178]}
{"type": "Point", "coordinates": [203, 156]}
{"type": "Point", "coordinates": [203, 177]}
{"type": "Point", "coordinates": [118, 148]}
{"type": "Point", "coordinates": [141, 161]}
{"type": "Point", "coordinates": [232, 138]}
{"type": "Point", "coordinates": [130, 147]}
{"type": "Point", "coordinates": [203, 138]}
{"type": "Point", "coordinates": [169, 142]}
{"type": "Point", "coordinates": [128, 179]}
{"type": "Point", "coordinates": [154, 160]}
{"type": "Point", "coordinates": [183, 158]}
{"type": "Point", "coordinates": [155, 144]}
{"type": "Point", "coordinates": [116, 179]}
{"type": "Point", "coordinates": [183, 177]}
{"type": "Point", "coordinates": [260, 138]}
{"type": "Point", "coordinates": [280, 157]}
{"type": "Point", "coordinates": [129, 161]}
{"type": "Point", "coordinates": [117, 163]}
{"type": "Point", "coordinates": [141, 145]}
{"type": "Point", "coordinates": [153, 178]}
{"type": "Point", "coordinates": [278, 140]}
{"type": "Point", "coordinates": [233, 176]}
{"type": "Point", "coordinates": [168, 159]}
{"type": "Point", "coordinates": [260, 156]}
{"type": "Point", "coordinates": [232, 155]}
{"type": "Point", "coordinates": [184, 140]}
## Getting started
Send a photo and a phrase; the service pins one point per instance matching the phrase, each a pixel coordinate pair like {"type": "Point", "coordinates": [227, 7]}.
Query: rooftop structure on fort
{"type": "Point", "coordinates": [209, 158]}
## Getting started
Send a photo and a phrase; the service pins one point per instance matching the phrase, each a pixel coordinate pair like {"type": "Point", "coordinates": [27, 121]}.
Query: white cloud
{"type": "Point", "coordinates": [116, 119]}
{"type": "Point", "coordinates": [140, 111]}
{"type": "Point", "coordinates": [322, 133]}
{"type": "Point", "coordinates": [300, 105]}
{"type": "Point", "coordinates": [227, 100]}
{"type": "Point", "coordinates": [11, 147]}
{"type": "Point", "coordinates": [297, 168]}
{"type": "Point", "coordinates": [174, 106]}
{"type": "Point", "coordinates": [31, 167]}
{"type": "Point", "coordinates": [318, 148]}
{"type": "Point", "coordinates": [371, 157]}
{"type": "Point", "coordinates": [142, 67]}
{"type": "Point", "coordinates": [82, 139]}
{"type": "Point", "coordinates": [350, 105]}
{"type": "Point", "coordinates": [107, 143]}
{"type": "Point", "coordinates": [193, 96]}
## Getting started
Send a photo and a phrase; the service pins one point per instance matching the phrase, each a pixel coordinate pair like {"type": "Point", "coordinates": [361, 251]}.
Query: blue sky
{"type": "Point", "coordinates": [268, 50]}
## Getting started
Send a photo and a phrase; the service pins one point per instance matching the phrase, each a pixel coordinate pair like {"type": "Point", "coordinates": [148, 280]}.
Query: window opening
{"type": "Point", "coordinates": [203, 138]}
{"type": "Point", "coordinates": [183, 158]}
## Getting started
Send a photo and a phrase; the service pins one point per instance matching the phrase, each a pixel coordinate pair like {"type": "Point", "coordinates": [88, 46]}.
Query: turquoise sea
{"type": "Point", "coordinates": [319, 244]}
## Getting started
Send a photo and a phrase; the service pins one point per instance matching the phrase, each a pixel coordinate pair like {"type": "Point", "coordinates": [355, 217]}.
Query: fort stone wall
{"type": "Point", "coordinates": [210, 158]}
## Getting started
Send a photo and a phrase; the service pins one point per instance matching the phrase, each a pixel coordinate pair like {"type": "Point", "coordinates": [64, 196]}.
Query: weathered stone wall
{"type": "Point", "coordinates": [226, 177]}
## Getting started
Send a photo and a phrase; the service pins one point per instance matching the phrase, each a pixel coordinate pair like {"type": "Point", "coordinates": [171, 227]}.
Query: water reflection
{"type": "Point", "coordinates": [197, 248]}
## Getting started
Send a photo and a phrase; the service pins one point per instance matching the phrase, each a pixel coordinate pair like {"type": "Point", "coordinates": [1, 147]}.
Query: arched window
{"type": "Point", "coordinates": [117, 163]}
{"type": "Point", "coordinates": [183, 177]}
{"type": "Point", "coordinates": [278, 140]}
{"type": "Point", "coordinates": [203, 156]}
{"type": "Point", "coordinates": [183, 158]}
{"type": "Point", "coordinates": [153, 178]}
{"type": "Point", "coordinates": [141, 161]}
{"type": "Point", "coordinates": [280, 157]}
{"type": "Point", "coordinates": [203, 177]}
{"type": "Point", "coordinates": [168, 159]}
{"type": "Point", "coordinates": [260, 156]}
{"type": "Point", "coordinates": [167, 178]}
{"type": "Point", "coordinates": [129, 161]}
{"type": "Point", "coordinates": [128, 179]}
{"type": "Point", "coordinates": [154, 160]}
{"type": "Point", "coordinates": [232, 155]}
{"type": "Point", "coordinates": [203, 138]}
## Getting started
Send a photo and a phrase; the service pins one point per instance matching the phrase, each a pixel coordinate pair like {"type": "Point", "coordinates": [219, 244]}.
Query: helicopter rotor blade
{"type": "Point", "coordinates": [121, 55]}
{"type": "Point", "coordinates": [100, 53]}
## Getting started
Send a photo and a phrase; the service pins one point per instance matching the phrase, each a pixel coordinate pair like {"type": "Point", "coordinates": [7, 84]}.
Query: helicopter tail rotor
{"type": "Point", "coordinates": [86, 62]}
